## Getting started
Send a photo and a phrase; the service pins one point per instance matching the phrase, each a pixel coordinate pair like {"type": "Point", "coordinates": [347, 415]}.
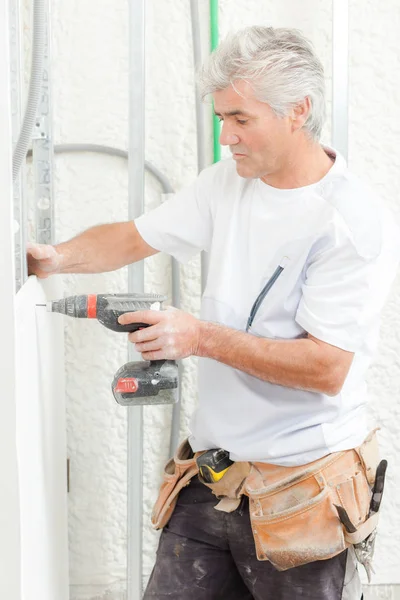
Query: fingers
{"type": "Point", "coordinates": [152, 317]}
{"type": "Point", "coordinates": [39, 274]}
{"type": "Point", "coordinates": [149, 346]}
{"type": "Point", "coordinates": [145, 335]}
{"type": "Point", "coordinates": [41, 251]}
{"type": "Point", "coordinates": [43, 260]}
{"type": "Point", "coordinates": [172, 334]}
{"type": "Point", "coordinates": [154, 355]}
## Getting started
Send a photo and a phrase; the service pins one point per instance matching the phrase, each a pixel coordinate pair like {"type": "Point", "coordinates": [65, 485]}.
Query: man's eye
{"type": "Point", "coordinates": [241, 122]}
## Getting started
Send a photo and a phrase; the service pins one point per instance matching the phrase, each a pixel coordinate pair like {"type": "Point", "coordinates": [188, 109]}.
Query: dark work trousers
{"type": "Point", "coordinates": [205, 554]}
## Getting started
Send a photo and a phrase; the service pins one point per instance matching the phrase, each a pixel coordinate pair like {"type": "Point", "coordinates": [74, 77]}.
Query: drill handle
{"type": "Point", "coordinates": [130, 327]}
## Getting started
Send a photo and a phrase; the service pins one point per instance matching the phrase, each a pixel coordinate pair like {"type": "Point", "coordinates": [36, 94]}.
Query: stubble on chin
{"type": "Point", "coordinates": [244, 172]}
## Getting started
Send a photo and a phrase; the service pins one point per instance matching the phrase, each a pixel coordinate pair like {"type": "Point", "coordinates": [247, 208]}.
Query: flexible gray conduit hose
{"type": "Point", "coordinates": [100, 149]}
{"type": "Point", "coordinates": [167, 189]}
{"type": "Point", "coordinates": [38, 44]}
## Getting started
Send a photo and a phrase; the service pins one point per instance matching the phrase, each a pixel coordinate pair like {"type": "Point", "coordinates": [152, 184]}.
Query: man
{"type": "Point", "coordinates": [301, 260]}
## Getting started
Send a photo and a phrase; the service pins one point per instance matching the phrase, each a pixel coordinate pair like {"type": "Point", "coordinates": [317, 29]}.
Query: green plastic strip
{"type": "Point", "coordinates": [214, 43]}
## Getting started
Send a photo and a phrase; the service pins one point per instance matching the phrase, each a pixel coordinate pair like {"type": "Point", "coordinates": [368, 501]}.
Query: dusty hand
{"type": "Point", "coordinates": [43, 260]}
{"type": "Point", "coordinates": [173, 334]}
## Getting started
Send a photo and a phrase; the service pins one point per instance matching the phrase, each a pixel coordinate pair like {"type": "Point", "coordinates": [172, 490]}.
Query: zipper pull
{"type": "Point", "coordinates": [284, 262]}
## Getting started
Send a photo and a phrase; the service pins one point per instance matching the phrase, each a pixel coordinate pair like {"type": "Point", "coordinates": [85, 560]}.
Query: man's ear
{"type": "Point", "coordinates": [299, 113]}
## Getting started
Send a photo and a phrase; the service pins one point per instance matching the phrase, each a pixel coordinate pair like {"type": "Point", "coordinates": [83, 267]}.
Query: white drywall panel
{"type": "Point", "coordinates": [10, 564]}
{"type": "Point", "coordinates": [41, 443]}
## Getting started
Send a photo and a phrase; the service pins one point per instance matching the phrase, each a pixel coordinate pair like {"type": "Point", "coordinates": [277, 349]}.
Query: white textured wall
{"type": "Point", "coordinates": [90, 60]}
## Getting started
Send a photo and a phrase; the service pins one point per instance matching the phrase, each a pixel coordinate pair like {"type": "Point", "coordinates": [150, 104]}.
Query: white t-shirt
{"type": "Point", "coordinates": [339, 248]}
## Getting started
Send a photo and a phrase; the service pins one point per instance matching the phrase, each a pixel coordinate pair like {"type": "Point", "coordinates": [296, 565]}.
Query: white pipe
{"type": "Point", "coordinates": [200, 120]}
{"type": "Point", "coordinates": [176, 408]}
{"type": "Point", "coordinates": [135, 284]}
{"type": "Point", "coordinates": [340, 76]}
{"type": "Point", "coordinates": [201, 163]}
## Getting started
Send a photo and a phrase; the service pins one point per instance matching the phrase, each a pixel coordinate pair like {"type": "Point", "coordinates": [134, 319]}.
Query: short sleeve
{"type": "Point", "coordinates": [181, 226]}
{"type": "Point", "coordinates": [344, 290]}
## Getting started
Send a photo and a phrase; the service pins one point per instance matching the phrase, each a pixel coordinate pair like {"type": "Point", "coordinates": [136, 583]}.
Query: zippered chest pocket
{"type": "Point", "coordinates": [260, 298]}
{"type": "Point", "coordinates": [273, 311]}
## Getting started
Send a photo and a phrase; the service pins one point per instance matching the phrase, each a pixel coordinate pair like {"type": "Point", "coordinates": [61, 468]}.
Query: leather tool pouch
{"type": "Point", "coordinates": [229, 489]}
{"type": "Point", "coordinates": [178, 472]}
{"type": "Point", "coordinates": [292, 509]}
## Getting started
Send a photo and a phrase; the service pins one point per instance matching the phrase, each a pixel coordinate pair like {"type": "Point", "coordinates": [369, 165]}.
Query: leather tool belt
{"type": "Point", "coordinates": [292, 509]}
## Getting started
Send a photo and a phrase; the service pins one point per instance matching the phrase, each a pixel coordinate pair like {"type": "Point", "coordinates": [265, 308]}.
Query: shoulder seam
{"type": "Point", "coordinates": [348, 228]}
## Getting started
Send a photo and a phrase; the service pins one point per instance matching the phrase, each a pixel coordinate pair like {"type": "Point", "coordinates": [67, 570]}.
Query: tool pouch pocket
{"type": "Point", "coordinates": [292, 509]}
{"type": "Point", "coordinates": [369, 456]}
{"type": "Point", "coordinates": [178, 472]}
{"type": "Point", "coordinates": [229, 489]}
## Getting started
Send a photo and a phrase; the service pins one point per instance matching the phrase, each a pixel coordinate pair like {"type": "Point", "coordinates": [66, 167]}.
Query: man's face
{"type": "Point", "coordinates": [258, 139]}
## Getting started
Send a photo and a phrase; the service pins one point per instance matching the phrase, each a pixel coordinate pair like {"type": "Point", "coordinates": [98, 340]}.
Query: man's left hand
{"type": "Point", "coordinates": [172, 334]}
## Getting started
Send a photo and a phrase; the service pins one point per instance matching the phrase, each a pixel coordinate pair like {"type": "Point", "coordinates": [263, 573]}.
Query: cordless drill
{"type": "Point", "coordinates": [135, 383]}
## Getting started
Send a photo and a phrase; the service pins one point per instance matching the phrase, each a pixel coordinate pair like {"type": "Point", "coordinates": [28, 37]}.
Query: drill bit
{"type": "Point", "coordinates": [47, 306]}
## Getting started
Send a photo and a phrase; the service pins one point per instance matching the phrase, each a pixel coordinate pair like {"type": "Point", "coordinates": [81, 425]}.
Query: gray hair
{"type": "Point", "coordinates": [280, 65]}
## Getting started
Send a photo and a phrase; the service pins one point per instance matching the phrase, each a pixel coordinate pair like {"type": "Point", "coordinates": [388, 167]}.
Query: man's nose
{"type": "Point", "coordinates": [227, 138]}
